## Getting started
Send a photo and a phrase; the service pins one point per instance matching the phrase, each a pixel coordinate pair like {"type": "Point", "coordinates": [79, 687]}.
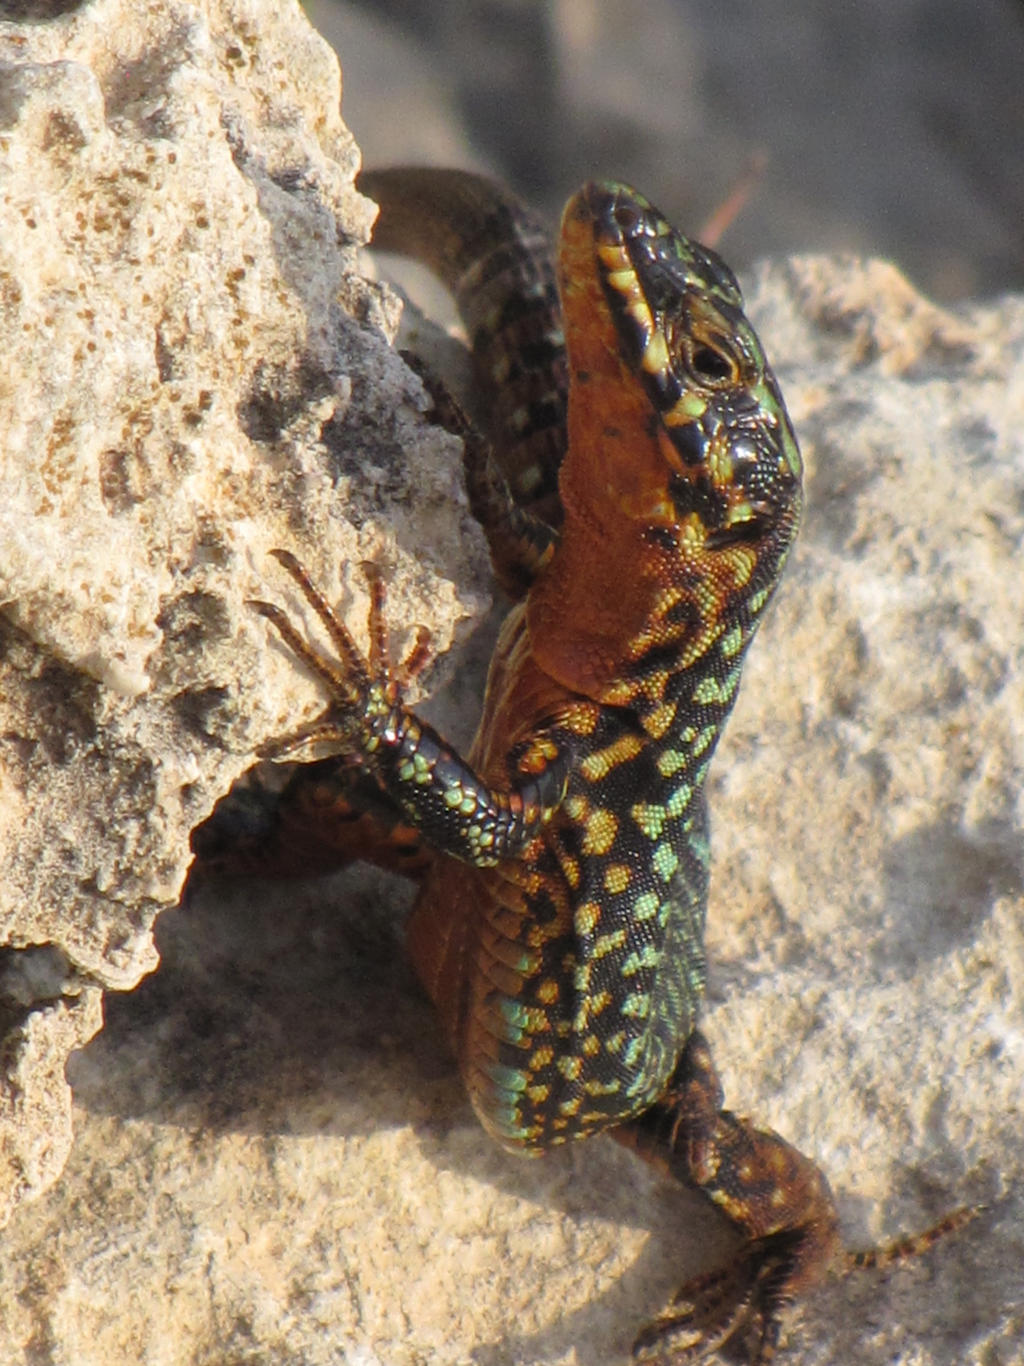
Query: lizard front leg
{"type": "Point", "coordinates": [434, 789]}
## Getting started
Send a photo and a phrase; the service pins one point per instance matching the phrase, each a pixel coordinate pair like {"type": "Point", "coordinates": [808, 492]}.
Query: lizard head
{"type": "Point", "coordinates": [704, 453]}
{"type": "Point", "coordinates": [681, 483]}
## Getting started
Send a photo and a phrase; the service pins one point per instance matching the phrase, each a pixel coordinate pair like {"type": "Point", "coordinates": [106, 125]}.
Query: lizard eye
{"type": "Point", "coordinates": [705, 354]}
{"type": "Point", "coordinates": [711, 366]}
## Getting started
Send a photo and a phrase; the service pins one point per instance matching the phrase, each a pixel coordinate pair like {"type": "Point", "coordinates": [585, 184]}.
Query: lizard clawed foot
{"type": "Point", "coordinates": [328, 813]}
{"type": "Point", "coordinates": [355, 682]}
{"type": "Point", "coordinates": [701, 1316]}
{"type": "Point", "coordinates": [747, 1297]}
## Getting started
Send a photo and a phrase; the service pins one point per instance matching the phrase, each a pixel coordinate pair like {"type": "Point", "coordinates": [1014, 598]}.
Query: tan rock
{"type": "Point", "coordinates": [194, 372]}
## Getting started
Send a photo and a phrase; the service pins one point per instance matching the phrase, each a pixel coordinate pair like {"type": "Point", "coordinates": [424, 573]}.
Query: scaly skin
{"type": "Point", "coordinates": [495, 256]}
{"type": "Point", "coordinates": [560, 924]}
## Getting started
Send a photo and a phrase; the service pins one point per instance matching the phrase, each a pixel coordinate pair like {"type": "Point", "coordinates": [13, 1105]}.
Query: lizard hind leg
{"type": "Point", "coordinates": [773, 1195]}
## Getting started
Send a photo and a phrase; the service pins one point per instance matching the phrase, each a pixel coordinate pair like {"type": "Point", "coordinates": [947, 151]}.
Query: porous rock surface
{"type": "Point", "coordinates": [193, 373]}
{"type": "Point", "coordinates": [274, 1160]}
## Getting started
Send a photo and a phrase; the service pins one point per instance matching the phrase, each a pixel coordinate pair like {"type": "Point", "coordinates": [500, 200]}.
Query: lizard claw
{"type": "Point", "coordinates": [701, 1316]}
{"type": "Point", "coordinates": [747, 1297]}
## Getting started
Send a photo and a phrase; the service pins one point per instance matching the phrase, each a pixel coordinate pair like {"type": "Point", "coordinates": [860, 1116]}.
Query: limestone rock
{"type": "Point", "coordinates": [194, 372]}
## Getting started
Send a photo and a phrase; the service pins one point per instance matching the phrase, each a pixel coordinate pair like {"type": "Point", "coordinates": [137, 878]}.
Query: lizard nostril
{"type": "Point", "coordinates": [626, 217]}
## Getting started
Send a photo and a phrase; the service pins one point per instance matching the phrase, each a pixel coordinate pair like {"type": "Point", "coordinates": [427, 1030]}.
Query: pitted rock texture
{"type": "Point", "coordinates": [194, 372]}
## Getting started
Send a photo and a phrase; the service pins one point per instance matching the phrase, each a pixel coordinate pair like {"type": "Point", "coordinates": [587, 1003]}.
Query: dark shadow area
{"type": "Point", "coordinates": [269, 993]}
{"type": "Point", "coordinates": [941, 883]}
{"type": "Point", "coordinates": [38, 11]}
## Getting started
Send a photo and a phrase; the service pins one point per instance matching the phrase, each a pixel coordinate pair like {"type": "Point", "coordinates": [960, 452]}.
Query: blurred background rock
{"type": "Point", "coordinates": [890, 127]}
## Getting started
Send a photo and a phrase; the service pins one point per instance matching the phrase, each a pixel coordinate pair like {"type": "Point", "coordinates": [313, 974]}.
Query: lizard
{"type": "Point", "coordinates": [641, 489]}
